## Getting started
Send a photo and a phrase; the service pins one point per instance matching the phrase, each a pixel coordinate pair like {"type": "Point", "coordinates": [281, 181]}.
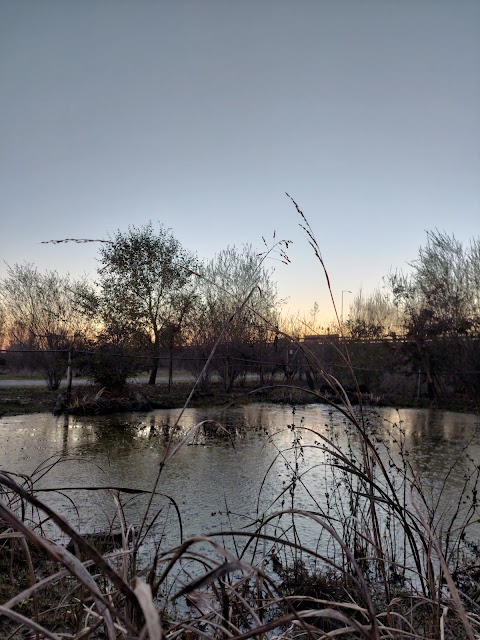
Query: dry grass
{"type": "Point", "coordinates": [393, 567]}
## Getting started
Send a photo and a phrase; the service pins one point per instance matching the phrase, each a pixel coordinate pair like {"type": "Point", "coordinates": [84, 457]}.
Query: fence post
{"type": "Point", "coordinates": [69, 374]}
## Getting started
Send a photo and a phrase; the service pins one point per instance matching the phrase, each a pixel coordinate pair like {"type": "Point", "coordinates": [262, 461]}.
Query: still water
{"type": "Point", "coordinates": [220, 482]}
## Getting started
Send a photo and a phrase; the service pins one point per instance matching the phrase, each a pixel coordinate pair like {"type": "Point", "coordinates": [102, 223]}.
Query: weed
{"type": "Point", "coordinates": [387, 564]}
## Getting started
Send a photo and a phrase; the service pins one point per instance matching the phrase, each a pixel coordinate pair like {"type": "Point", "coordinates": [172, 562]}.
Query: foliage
{"type": "Point", "coordinates": [145, 286]}
{"type": "Point", "coordinates": [442, 295]}
{"type": "Point", "coordinates": [110, 367]}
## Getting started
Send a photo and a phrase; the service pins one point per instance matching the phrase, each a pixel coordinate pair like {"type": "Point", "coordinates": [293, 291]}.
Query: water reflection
{"type": "Point", "coordinates": [220, 482]}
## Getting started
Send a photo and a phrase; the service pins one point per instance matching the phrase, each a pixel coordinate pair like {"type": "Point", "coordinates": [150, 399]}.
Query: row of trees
{"type": "Point", "coordinates": [151, 296]}
{"type": "Point", "coordinates": [439, 296]}
{"type": "Point", "coordinates": [435, 307]}
{"type": "Point", "coordinates": [39, 313]}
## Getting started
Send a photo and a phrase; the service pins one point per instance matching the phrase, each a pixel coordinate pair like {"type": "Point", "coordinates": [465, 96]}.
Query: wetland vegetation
{"type": "Point", "coordinates": [357, 522]}
{"type": "Point", "coordinates": [357, 529]}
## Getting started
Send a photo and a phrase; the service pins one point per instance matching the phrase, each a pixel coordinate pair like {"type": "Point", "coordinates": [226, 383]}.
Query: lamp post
{"type": "Point", "coordinates": [344, 291]}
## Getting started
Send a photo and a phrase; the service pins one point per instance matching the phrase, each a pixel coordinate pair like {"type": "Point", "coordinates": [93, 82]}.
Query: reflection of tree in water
{"type": "Point", "coordinates": [442, 453]}
{"type": "Point", "coordinates": [126, 451]}
{"type": "Point", "coordinates": [66, 422]}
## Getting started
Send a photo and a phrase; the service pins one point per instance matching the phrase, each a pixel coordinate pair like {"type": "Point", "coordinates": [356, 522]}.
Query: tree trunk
{"type": "Point", "coordinates": [153, 372]}
{"type": "Point", "coordinates": [170, 363]}
{"type": "Point", "coordinates": [432, 392]}
{"type": "Point", "coordinates": [310, 379]}
{"type": "Point", "coordinates": [69, 375]}
{"type": "Point", "coordinates": [263, 358]}
{"type": "Point", "coordinates": [428, 367]}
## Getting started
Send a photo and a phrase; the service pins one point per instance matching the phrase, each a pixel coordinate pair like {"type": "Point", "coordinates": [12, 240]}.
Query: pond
{"type": "Point", "coordinates": [266, 457]}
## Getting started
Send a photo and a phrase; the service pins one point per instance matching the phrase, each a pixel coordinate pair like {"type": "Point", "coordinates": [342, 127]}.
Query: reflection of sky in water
{"type": "Point", "coordinates": [210, 476]}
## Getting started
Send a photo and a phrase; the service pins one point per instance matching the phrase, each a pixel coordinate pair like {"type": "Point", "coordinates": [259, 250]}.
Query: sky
{"type": "Point", "coordinates": [201, 114]}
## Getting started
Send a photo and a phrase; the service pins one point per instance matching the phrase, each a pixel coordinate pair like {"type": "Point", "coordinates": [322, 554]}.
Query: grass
{"type": "Point", "coordinates": [267, 582]}
{"type": "Point", "coordinates": [20, 400]}
{"type": "Point", "coordinates": [28, 400]}
{"type": "Point", "coordinates": [390, 564]}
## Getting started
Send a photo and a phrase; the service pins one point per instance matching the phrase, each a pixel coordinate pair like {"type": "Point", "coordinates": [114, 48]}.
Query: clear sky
{"type": "Point", "coordinates": [202, 113]}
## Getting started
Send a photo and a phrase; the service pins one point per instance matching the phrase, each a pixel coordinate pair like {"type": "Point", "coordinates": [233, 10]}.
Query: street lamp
{"type": "Point", "coordinates": [344, 291]}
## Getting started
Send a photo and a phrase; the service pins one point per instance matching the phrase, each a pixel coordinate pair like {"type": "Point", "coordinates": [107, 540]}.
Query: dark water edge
{"type": "Point", "coordinates": [236, 478]}
{"type": "Point", "coordinates": [27, 400]}
{"type": "Point", "coordinates": [237, 469]}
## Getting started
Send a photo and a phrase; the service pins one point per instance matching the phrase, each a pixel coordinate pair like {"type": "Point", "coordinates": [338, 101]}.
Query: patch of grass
{"type": "Point", "coordinates": [387, 565]}
{"type": "Point", "coordinates": [28, 400]}
{"type": "Point", "coordinates": [6, 375]}
{"type": "Point", "coordinates": [19, 400]}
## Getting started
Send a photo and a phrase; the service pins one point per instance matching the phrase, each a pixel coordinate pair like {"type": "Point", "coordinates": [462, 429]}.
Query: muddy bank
{"type": "Point", "coordinates": [90, 400]}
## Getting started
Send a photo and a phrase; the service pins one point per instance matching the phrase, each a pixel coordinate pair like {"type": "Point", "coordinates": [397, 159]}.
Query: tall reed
{"type": "Point", "coordinates": [389, 565]}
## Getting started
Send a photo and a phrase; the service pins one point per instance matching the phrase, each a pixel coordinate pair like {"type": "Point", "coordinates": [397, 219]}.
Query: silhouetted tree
{"type": "Point", "coordinates": [42, 313]}
{"type": "Point", "coordinates": [227, 280]}
{"type": "Point", "coordinates": [440, 304]}
{"type": "Point", "coordinates": [372, 316]}
{"type": "Point", "coordinates": [145, 285]}
{"type": "Point", "coordinates": [2, 326]}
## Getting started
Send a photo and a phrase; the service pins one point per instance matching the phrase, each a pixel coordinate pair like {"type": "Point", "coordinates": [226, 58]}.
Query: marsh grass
{"type": "Point", "coordinates": [389, 561]}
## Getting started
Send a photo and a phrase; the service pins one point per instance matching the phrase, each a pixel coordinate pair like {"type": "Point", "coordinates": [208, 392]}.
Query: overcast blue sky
{"type": "Point", "coordinates": [201, 114]}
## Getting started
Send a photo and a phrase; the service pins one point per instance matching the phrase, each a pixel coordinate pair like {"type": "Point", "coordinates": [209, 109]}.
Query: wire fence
{"type": "Point", "coordinates": [246, 362]}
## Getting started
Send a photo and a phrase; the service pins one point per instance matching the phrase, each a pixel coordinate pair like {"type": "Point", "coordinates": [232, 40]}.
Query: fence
{"type": "Point", "coordinates": [379, 365]}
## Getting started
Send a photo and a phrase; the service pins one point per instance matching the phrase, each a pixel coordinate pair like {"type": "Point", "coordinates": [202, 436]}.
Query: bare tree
{"type": "Point", "coordinates": [226, 282]}
{"type": "Point", "coordinates": [41, 314]}
{"type": "Point", "coordinates": [372, 316]}
{"type": "Point", "coordinates": [440, 303]}
{"type": "Point", "coordinates": [2, 326]}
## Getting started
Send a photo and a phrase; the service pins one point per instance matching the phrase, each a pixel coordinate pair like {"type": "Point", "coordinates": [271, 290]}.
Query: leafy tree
{"type": "Point", "coordinates": [145, 286]}
{"type": "Point", "coordinates": [109, 366]}
{"type": "Point", "coordinates": [42, 314]}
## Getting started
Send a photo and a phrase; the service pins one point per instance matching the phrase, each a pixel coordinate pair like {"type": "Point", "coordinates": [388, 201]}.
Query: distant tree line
{"type": "Point", "coordinates": [151, 297]}
{"type": "Point", "coordinates": [435, 309]}
{"type": "Point", "coordinates": [153, 301]}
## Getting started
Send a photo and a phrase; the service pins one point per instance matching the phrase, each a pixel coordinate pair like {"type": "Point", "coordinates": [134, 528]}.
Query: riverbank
{"type": "Point", "coordinates": [89, 399]}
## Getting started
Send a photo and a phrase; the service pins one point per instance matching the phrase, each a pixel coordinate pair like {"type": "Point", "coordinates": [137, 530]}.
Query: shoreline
{"type": "Point", "coordinates": [89, 399]}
